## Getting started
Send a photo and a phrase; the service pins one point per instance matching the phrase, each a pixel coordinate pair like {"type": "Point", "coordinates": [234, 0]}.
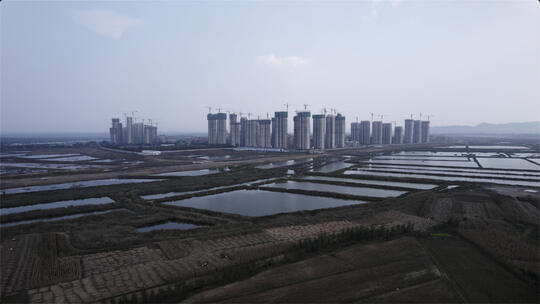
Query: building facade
{"type": "Point", "coordinates": [417, 132]}
{"type": "Point", "coordinates": [425, 132]}
{"type": "Point", "coordinates": [365, 132]}
{"type": "Point", "coordinates": [340, 131]}
{"type": "Point", "coordinates": [319, 131]}
{"type": "Point", "coordinates": [279, 130]}
{"type": "Point", "coordinates": [330, 137]}
{"type": "Point", "coordinates": [265, 134]}
{"type": "Point", "coordinates": [302, 130]}
{"type": "Point", "coordinates": [398, 135]}
{"type": "Point", "coordinates": [409, 130]}
{"type": "Point", "coordinates": [376, 132]}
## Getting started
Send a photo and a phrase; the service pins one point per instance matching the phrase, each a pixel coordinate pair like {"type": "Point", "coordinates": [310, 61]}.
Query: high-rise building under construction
{"type": "Point", "coordinates": [302, 130]}
{"type": "Point", "coordinates": [252, 133]}
{"type": "Point", "coordinates": [234, 130]}
{"type": "Point", "coordinates": [355, 132]}
{"type": "Point", "coordinates": [386, 133]}
{"type": "Point", "coordinates": [279, 130]}
{"type": "Point", "coordinates": [217, 129]}
{"type": "Point", "coordinates": [115, 132]}
{"type": "Point", "coordinates": [330, 137]}
{"type": "Point", "coordinates": [425, 132]}
{"type": "Point", "coordinates": [243, 131]}
{"type": "Point", "coordinates": [409, 130]}
{"type": "Point", "coordinates": [398, 135]}
{"type": "Point", "coordinates": [376, 132]}
{"type": "Point", "coordinates": [133, 132]}
{"type": "Point", "coordinates": [319, 131]}
{"type": "Point", "coordinates": [340, 131]}
{"type": "Point", "coordinates": [129, 131]}
{"type": "Point", "coordinates": [264, 136]}
{"type": "Point", "coordinates": [365, 132]}
{"type": "Point", "coordinates": [417, 132]}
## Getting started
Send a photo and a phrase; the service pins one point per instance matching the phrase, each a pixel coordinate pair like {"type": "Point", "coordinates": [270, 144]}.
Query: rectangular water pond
{"type": "Point", "coordinates": [168, 225]}
{"type": "Point", "coordinates": [80, 184]}
{"type": "Point", "coordinates": [72, 158]}
{"type": "Point", "coordinates": [58, 218]}
{"type": "Point", "coordinates": [372, 182]}
{"type": "Point", "coordinates": [169, 194]}
{"type": "Point", "coordinates": [508, 163]}
{"type": "Point", "coordinates": [284, 163]}
{"type": "Point", "coordinates": [49, 166]}
{"type": "Point", "coordinates": [489, 147]}
{"type": "Point", "coordinates": [331, 167]}
{"type": "Point", "coordinates": [360, 191]}
{"type": "Point", "coordinates": [39, 156]}
{"type": "Point", "coordinates": [190, 172]}
{"type": "Point", "coordinates": [447, 178]}
{"type": "Point", "coordinates": [422, 158]}
{"type": "Point", "coordinates": [449, 173]}
{"type": "Point", "coordinates": [260, 203]}
{"type": "Point", "coordinates": [465, 164]}
{"type": "Point", "coordinates": [60, 204]}
{"type": "Point", "coordinates": [464, 170]}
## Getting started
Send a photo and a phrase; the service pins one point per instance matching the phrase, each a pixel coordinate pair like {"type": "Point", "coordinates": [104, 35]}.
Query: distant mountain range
{"type": "Point", "coordinates": [532, 127]}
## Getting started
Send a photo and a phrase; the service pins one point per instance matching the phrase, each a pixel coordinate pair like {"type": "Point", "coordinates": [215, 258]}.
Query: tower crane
{"type": "Point", "coordinates": [305, 106]}
{"type": "Point", "coordinates": [209, 109]}
{"type": "Point", "coordinates": [287, 106]}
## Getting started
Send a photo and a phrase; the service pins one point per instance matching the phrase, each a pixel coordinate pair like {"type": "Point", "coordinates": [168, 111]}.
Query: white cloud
{"type": "Point", "coordinates": [290, 61]}
{"type": "Point", "coordinates": [105, 22]}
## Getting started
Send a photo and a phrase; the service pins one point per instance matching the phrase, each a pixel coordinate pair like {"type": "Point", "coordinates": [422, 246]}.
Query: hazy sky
{"type": "Point", "coordinates": [69, 66]}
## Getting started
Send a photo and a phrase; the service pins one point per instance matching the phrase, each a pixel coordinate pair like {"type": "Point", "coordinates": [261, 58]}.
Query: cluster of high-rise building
{"type": "Point", "coordinates": [328, 130]}
{"type": "Point", "coordinates": [132, 132]}
{"type": "Point", "coordinates": [368, 132]}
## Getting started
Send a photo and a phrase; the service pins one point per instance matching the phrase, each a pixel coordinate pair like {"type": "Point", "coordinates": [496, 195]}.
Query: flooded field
{"type": "Point", "coordinates": [446, 178]}
{"type": "Point", "coordinates": [449, 173]}
{"type": "Point", "coordinates": [49, 166]}
{"type": "Point", "coordinates": [80, 184]}
{"type": "Point", "coordinates": [489, 147]}
{"type": "Point", "coordinates": [189, 173]}
{"type": "Point", "coordinates": [372, 182]}
{"type": "Point", "coordinates": [464, 170]}
{"type": "Point", "coordinates": [284, 164]}
{"type": "Point", "coordinates": [167, 226]}
{"type": "Point", "coordinates": [219, 157]}
{"type": "Point", "coordinates": [60, 204]}
{"type": "Point", "coordinates": [338, 165]}
{"type": "Point", "coordinates": [422, 158]}
{"type": "Point", "coordinates": [260, 203]}
{"type": "Point", "coordinates": [360, 191]}
{"type": "Point", "coordinates": [169, 194]}
{"type": "Point", "coordinates": [43, 156]}
{"type": "Point", "coordinates": [72, 158]}
{"type": "Point", "coordinates": [507, 163]}
{"type": "Point", "coordinates": [58, 218]}
{"type": "Point", "coordinates": [427, 153]}
{"type": "Point", "coordinates": [465, 164]}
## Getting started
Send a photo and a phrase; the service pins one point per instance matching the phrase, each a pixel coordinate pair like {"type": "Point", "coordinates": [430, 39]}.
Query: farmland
{"type": "Point", "coordinates": [419, 240]}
